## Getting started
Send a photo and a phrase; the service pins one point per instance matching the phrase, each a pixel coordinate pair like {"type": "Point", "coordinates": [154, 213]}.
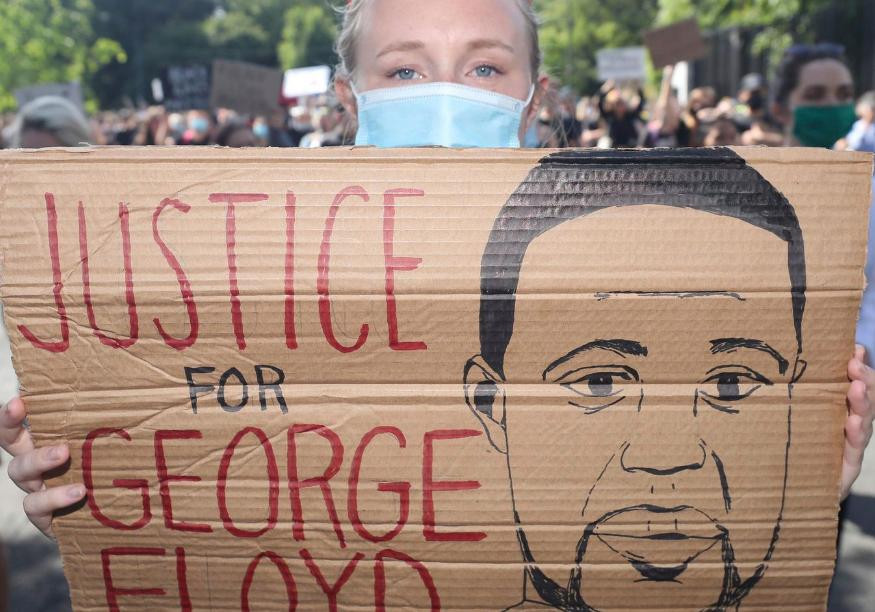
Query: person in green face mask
{"type": "Point", "coordinates": [814, 95]}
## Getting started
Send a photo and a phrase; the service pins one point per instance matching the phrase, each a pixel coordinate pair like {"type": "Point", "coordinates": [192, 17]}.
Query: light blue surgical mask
{"type": "Point", "coordinates": [200, 125]}
{"type": "Point", "coordinates": [261, 131]}
{"type": "Point", "coordinates": [445, 114]}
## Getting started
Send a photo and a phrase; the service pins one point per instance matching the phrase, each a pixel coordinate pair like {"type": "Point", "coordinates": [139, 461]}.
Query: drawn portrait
{"type": "Point", "coordinates": [644, 408]}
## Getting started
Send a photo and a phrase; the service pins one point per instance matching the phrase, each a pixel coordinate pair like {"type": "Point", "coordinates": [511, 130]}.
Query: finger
{"type": "Point", "coordinates": [26, 470]}
{"type": "Point", "coordinates": [860, 352]}
{"type": "Point", "coordinates": [39, 506]}
{"type": "Point", "coordinates": [858, 402]}
{"type": "Point", "coordinates": [856, 368]}
{"type": "Point", "coordinates": [858, 432]}
{"type": "Point", "coordinates": [850, 472]}
{"type": "Point", "coordinates": [14, 437]}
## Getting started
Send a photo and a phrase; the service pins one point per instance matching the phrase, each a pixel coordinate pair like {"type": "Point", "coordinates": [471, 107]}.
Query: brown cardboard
{"type": "Point", "coordinates": [679, 42]}
{"type": "Point", "coordinates": [382, 478]}
{"type": "Point", "coordinates": [244, 87]}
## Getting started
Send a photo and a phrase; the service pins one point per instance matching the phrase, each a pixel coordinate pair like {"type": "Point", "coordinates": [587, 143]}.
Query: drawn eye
{"type": "Point", "coordinates": [598, 387]}
{"type": "Point", "coordinates": [406, 74]}
{"type": "Point", "coordinates": [731, 384]}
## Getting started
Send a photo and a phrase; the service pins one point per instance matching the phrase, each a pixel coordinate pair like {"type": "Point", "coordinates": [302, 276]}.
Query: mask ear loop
{"type": "Point", "coordinates": [530, 96]}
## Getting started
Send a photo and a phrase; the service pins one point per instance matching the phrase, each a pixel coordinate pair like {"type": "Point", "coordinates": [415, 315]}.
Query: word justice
{"type": "Point", "coordinates": [392, 262]}
{"type": "Point", "coordinates": [165, 442]}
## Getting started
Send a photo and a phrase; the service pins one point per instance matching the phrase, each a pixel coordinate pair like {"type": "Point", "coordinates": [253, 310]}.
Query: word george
{"type": "Point", "coordinates": [294, 481]}
{"type": "Point", "coordinates": [392, 264]}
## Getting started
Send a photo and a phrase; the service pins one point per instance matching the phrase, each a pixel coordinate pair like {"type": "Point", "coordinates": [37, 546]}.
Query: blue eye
{"type": "Point", "coordinates": [405, 74]}
{"type": "Point", "coordinates": [485, 70]}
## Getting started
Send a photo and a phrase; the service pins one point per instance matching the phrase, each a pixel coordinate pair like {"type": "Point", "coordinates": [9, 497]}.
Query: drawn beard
{"type": "Point", "coordinates": [570, 598]}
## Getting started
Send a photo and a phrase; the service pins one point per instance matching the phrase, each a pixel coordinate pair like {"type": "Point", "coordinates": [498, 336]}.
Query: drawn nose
{"type": "Point", "coordinates": [663, 458]}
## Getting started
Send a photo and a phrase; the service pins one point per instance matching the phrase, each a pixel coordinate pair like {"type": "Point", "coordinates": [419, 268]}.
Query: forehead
{"type": "Point", "coordinates": [674, 280]}
{"type": "Point", "coordinates": [828, 72]}
{"type": "Point", "coordinates": [655, 248]}
{"type": "Point", "coordinates": [444, 22]}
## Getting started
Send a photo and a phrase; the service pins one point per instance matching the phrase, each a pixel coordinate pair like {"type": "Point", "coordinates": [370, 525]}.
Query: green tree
{"type": "Point", "coordinates": [308, 36]}
{"type": "Point", "coordinates": [573, 31]}
{"type": "Point", "coordinates": [248, 30]}
{"type": "Point", "coordinates": [154, 35]}
{"type": "Point", "coordinates": [782, 21]}
{"type": "Point", "coordinates": [50, 41]}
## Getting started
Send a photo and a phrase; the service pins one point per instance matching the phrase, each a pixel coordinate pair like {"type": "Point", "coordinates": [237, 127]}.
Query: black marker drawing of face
{"type": "Point", "coordinates": [659, 455]}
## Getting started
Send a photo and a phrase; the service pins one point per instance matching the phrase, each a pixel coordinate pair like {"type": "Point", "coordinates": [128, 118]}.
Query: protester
{"type": "Point", "coordinates": [665, 128]}
{"type": "Point", "coordinates": [623, 119]}
{"type": "Point", "coordinates": [200, 126]}
{"type": "Point", "coordinates": [814, 95]}
{"type": "Point", "coordinates": [862, 135]}
{"type": "Point", "coordinates": [756, 124]}
{"type": "Point", "coordinates": [696, 117]}
{"type": "Point", "coordinates": [49, 121]}
{"type": "Point", "coordinates": [722, 133]}
{"type": "Point", "coordinates": [235, 133]}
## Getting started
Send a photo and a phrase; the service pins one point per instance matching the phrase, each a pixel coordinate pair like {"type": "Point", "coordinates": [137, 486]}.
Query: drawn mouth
{"type": "Point", "coordinates": [660, 543]}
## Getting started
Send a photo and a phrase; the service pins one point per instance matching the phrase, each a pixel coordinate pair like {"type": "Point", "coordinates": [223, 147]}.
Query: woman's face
{"type": "Point", "coordinates": [481, 44]}
{"type": "Point", "coordinates": [824, 82]}
{"type": "Point", "coordinates": [821, 83]}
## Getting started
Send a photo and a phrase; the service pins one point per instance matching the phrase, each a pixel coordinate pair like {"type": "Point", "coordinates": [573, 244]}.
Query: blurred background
{"type": "Point", "coordinates": [168, 72]}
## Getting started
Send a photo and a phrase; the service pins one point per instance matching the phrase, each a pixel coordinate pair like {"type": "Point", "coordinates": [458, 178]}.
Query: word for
{"type": "Point", "coordinates": [270, 379]}
{"type": "Point", "coordinates": [392, 263]}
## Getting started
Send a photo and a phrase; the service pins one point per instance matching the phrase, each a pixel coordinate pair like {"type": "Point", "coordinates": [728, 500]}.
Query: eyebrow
{"type": "Point", "coordinates": [474, 45]}
{"type": "Point", "coordinates": [617, 345]}
{"type": "Point", "coordinates": [489, 43]}
{"type": "Point", "coordinates": [404, 45]}
{"type": "Point", "coordinates": [728, 345]}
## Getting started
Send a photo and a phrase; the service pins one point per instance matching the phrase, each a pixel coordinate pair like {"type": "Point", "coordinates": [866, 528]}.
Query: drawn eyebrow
{"type": "Point", "coordinates": [728, 345]}
{"type": "Point", "coordinates": [617, 345]}
{"type": "Point", "coordinates": [405, 45]}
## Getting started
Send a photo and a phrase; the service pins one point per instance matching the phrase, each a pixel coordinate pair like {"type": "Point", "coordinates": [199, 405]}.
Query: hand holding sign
{"type": "Point", "coordinates": [29, 464]}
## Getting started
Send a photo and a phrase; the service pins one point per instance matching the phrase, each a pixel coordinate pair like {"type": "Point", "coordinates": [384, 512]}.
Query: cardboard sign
{"type": "Point", "coordinates": [245, 88]}
{"type": "Point", "coordinates": [311, 81]}
{"type": "Point", "coordinates": [623, 64]}
{"type": "Point", "coordinates": [71, 91]}
{"type": "Point", "coordinates": [679, 42]}
{"type": "Point", "coordinates": [186, 87]}
{"type": "Point", "coordinates": [439, 379]}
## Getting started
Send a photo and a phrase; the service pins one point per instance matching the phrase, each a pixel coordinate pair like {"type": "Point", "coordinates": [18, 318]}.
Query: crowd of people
{"type": "Point", "coordinates": [619, 115]}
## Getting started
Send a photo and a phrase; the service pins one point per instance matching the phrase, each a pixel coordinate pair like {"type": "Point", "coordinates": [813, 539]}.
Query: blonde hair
{"type": "Point", "coordinates": [351, 26]}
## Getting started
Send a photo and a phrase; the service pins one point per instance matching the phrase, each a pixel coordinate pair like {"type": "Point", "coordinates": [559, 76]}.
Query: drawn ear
{"type": "Point", "coordinates": [484, 394]}
{"type": "Point", "coordinates": [798, 370]}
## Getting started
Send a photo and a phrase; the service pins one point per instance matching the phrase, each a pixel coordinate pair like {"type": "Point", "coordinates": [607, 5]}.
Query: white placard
{"type": "Point", "coordinates": [622, 64]}
{"type": "Point", "coordinates": [310, 81]}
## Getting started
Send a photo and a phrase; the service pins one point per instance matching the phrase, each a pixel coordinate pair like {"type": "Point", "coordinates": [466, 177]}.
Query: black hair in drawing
{"type": "Point", "coordinates": [568, 185]}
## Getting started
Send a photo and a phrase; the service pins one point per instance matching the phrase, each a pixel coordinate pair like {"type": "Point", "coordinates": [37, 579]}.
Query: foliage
{"type": "Point", "coordinates": [782, 22]}
{"type": "Point", "coordinates": [154, 34]}
{"type": "Point", "coordinates": [573, 31]}
{"type": "Point", "coordinates": [50, 41]}
{"type": "Point", "coordinates": [116, 47]}
{"type": "Point", "coordinates": [308, 36]}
